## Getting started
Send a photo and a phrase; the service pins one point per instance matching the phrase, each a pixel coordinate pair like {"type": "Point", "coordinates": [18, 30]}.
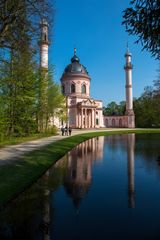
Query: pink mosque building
{"type": "Point", "coordinates": [86, 112]}
{"type": "Point", "coordinates": [82, 110]}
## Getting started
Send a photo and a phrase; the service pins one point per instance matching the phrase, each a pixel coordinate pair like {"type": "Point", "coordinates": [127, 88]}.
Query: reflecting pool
{"type": "Point", "coordinates": [105, 188]}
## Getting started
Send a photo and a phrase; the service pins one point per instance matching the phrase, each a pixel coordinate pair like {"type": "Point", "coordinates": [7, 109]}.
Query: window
{"type": "Point", "coordinates": [83, 88]}
{"type": "Point", "coordinates": [97, 121]}
{"type": "Point", "coordinates": [113, 122]}
{"type": "Point", "coordinates": [73, 88]}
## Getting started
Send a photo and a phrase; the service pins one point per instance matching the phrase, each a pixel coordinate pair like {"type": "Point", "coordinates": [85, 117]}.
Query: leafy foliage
{"type": "Point", "coordinates": [143, 19]}
{"type": "Point", "coordinates": [114, 109]}
{"type": "Point", "coordinates": [51, 103]}
{"type": "Point", "coordinates": [28, 95]}
{"type": "Point", "coordinates": [146, 107]}
{"type": "Point", "coordinates": [10, 17]}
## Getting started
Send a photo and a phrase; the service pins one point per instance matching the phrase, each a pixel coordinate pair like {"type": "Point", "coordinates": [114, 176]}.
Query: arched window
{"type": "Point", "coordinates": [113, 122]}
{"type": "Point", "coordinates": [83, 88]}
{"type": "Point", "coordinates": [63, 89]}
{"type": "Point", "coordinates": [73, 88]}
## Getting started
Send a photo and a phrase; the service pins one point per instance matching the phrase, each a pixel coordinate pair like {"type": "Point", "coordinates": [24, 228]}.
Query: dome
{"type": "Point", "coordinates": [75, 66]}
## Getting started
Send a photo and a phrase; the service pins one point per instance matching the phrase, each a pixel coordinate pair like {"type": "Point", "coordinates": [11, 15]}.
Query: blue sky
{"type": "Point", "coordinates": [94, 27]}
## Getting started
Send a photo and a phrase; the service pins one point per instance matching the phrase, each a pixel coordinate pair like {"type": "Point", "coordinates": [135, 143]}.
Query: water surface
{"type": "Point", "coordinates": [105, 188]}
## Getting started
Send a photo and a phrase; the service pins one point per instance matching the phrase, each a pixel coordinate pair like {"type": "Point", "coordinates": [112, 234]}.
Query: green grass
{"type": "Point", "coordinates": [17, 176]}
{"type": "Point", "coordinates": [15, 140]}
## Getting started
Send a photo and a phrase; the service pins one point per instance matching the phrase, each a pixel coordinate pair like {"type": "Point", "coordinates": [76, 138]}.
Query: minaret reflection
{"type": "Point", "coordinates": [46, 209]}
{"type": "Point", "coordinates": [78, 177]}
{"type": "Point", "coordinates": [130, 166]}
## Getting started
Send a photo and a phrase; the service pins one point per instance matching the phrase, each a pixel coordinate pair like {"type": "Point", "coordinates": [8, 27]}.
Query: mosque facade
{"type": "Point", "coordinates": [86, 112]}
{"type": "Point", "coordinates": [82, 110]}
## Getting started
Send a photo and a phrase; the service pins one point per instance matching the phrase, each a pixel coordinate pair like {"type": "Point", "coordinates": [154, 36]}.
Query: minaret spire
{"type": "Point", "coordinates": [44, 43]}
{"type": "Point", "coordinates": [127, 44]}
{"type": "Point", "coordinates": [127, 48]}
{"type": "Point", "coordinates": [129, 96]}
{"type": "Point", "coordinates": [75, 51]}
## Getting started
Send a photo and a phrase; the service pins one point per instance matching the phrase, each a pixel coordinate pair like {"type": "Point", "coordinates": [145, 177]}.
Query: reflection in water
{"type": "Point", "coordinates": [78, 177]}
{"type": "Point", "coordinates": [130, 161]}
{"type": "Point", "coordinates": [126, 142]}
{"type": "Point", "coordinates": [45, 212]}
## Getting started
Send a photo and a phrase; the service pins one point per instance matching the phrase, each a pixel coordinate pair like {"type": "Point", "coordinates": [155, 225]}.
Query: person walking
{"type": "Point", "coordinates": [70, 130]}
{"type": "Point", "coordinates": [62, 130]}
{"type": "Point", "coordinates": [66, 130]}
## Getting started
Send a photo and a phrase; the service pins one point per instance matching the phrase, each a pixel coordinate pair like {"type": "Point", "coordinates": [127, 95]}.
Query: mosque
{"type": "Point", "coordinates": [82, 110]}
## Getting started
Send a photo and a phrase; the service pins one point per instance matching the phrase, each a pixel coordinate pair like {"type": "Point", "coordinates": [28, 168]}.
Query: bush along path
{"type": "Point", "coordinates": [22, 172]}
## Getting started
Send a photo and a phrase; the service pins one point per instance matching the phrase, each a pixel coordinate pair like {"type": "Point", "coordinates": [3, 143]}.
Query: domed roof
{"type": "Point", "coordinates": [75, 66]}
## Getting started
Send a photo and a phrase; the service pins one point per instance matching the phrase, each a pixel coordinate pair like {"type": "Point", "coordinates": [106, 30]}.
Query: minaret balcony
{"type": "Point", "coordinates": [41, 42]}
{"type": "Point", "coordinates": [128, 66]}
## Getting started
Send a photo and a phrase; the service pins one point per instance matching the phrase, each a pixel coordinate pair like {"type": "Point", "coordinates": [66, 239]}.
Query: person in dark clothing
{"type": "Point", "coordinates": [62, 130]}
{"type": "Point", "coordinates": [66, 131]}
{"type": "Point", "coordinates": [70, 131]}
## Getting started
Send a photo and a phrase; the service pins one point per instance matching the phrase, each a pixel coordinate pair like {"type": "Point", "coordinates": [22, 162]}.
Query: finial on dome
{"type": "Point", "coordinates": [75, 51]}
{"type": "Point", "coordinates": [75, 58]}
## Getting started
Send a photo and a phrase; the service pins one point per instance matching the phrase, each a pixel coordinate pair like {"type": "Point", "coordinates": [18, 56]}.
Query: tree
{"type": "Point", "coordinates": [8, 16]}
{"type": "Point", "coordinates": [18, 92]}
{"type": "Point", "coordinates": [114, 109]}
{"type": "Point", "coordinates": [146, 107]}
{"type": "Point", "coordinates": [56, 106]}
{"type": "Point", "coordinates": [19, 74]}
{"type": "Point", "coordinates": [122, 107]}
{"type": "Point", "coordinates": [51, 103]}
{"type": "Point", "coordinates": [11, 10]}
{"type": "Point", "coordinates": [143, 20]}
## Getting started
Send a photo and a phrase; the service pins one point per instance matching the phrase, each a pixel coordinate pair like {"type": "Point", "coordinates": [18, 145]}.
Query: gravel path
{"type": "Point", "coordinates": [12, 152]}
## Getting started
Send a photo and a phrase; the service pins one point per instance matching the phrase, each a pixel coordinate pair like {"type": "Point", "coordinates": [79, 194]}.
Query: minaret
{"type": "Point", "coordinates": [129, 97]}
{"type": "Point", "coordinates": [44, 43]}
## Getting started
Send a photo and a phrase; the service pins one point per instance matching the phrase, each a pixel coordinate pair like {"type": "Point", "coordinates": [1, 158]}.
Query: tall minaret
{"type": "Point", "coordinates": [44, 44]}
{"type": "Point", "coordinates": [42, 116]}
{"type": "Point", "coordinates": [129, 97]}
